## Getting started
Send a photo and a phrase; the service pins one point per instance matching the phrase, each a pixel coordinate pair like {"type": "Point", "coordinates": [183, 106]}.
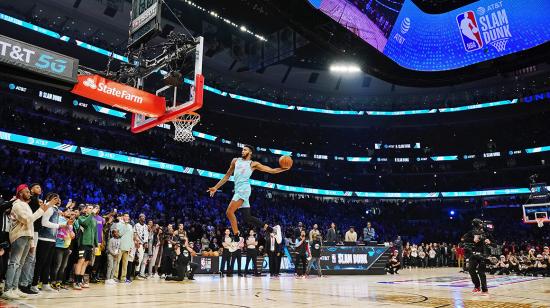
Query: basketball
{"type": "Point", "coordinates": [285, 162]}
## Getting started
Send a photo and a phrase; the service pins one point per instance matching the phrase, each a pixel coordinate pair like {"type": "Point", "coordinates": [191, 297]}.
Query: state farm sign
{"type": "Point", "coordinates": [119, 95]}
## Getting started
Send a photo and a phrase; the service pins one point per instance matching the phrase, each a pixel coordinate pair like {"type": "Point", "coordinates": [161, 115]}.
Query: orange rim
{"type": "Point", "coordinates": [178, 119]}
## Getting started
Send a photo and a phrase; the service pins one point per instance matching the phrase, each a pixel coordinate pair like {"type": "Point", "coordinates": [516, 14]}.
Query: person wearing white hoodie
{"type": "Point", "coordinates": [21, 239]}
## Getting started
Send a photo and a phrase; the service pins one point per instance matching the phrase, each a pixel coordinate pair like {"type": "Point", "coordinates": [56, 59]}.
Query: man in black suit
{"type": "Point", "coordinates": [273, 252]}
{"type": "Point", "coordinates": [444, 253]}
{"type": "Point", "coordinates": [332, 236]}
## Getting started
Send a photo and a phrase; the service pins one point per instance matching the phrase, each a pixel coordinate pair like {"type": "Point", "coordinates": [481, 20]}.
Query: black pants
{"type": "Point", "coordinates": [166, 265]}
{"type": "Point", "coordinates": [194, 267]}
{"type": "Point", "coordinates": [60, 263]}
{"type": "Point", "coordinates": [392, 270]}
{"type": "Point", "coordinates": [251, 220]}
{"type": "Point", "coordinates": [4, 238]}
{"type": "Point", "coordinates": [179, 272]}
{"type": "Point", "coordinates": [226, 260]}
{"type": "Point", "coordinates": [236, 256]}
{"type": "Point", "coordinates": [273, 263]}
{"type": "Point", "coordinates": [44, 255]}
{"type": "Point", "coordinates": [300, 258]}
{"type": "Point", "coordinates": [477, 272]}
{"type": "Point", "coordinates": [130, 270]}
{"type": "Point", "coordinates": [251, 255]}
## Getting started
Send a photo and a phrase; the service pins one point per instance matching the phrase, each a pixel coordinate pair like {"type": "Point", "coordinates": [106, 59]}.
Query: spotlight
{"type": "Point", "coordinates": [345, 68]}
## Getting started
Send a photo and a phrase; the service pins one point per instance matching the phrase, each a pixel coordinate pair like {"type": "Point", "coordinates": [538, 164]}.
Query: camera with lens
{"type": "Point", "coordinates": [482, 230]}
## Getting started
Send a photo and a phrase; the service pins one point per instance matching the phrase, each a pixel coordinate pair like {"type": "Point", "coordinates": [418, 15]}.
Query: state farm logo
{"type": "Point", "coordinates": [102, 87]}
{"type": "Point", "coordinates": [90, 83]}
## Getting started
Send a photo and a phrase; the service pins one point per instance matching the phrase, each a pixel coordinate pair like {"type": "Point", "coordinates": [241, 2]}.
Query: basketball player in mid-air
{"type": "Point", "coordinates": [242, 169]}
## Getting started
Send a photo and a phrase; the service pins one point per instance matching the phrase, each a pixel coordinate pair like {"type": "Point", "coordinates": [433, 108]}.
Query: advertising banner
{"type": "Point", "coordinates": [119, 95]}
{"type": "Point", "coordinates": [37, 59]}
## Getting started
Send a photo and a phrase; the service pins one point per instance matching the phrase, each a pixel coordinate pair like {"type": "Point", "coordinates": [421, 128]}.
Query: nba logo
{"type": "Point", "coordinates": [471, 36]}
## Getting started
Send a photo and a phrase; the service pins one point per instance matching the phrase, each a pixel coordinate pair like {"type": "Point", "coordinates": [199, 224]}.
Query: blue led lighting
{"type": "Point", "coordinates": [108, 111]}
{"type": "Point", "coordinates": [215, 175]}
{"type": "Point", "coordinates": [444, 158]}
{"type": "Point", "coordinates": [359, 159]}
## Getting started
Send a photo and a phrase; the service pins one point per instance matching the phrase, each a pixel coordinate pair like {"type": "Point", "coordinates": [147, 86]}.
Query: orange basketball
{"type": "Point", "coordinates": [216, 254]}
{"type": "Point", "coordinates": [285, 162]}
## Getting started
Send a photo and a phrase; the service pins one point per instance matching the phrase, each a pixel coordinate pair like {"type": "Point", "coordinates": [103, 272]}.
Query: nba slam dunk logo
{"type": "Point", "coordinates": [493, 28]}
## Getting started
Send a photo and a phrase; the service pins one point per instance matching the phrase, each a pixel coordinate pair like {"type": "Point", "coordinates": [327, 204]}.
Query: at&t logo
{"type": "Point", "coordinates": [404, 28]}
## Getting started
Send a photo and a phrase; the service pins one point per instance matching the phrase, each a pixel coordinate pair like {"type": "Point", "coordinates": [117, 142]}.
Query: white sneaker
{"type": "Point", "coordinates": [156, 276]}
{"type": "Point", "coordinates": [48, 288]}
{"type": "Point", "coordinates": [20, 293]}
{"type": "Point", "coordinates": [10, 295]}
{"type": "Point", "coordinates": [109, 281]}
{"type": "Point", "coordinates": [278, 234]}
{"type": "Point", "coordinates": [35, 289]}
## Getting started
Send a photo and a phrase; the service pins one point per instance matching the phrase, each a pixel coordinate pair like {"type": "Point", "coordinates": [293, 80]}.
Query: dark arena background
{"type": "Point", "coordinates": [274, 153]}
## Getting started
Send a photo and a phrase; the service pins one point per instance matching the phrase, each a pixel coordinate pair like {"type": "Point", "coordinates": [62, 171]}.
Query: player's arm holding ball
{"type": "Point", "coordinates": [285, 162]}
{"type": "Point", "coordinates": [212, 190]}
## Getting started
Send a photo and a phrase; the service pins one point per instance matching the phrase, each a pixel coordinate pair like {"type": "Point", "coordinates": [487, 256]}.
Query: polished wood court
{"type": "Point", "coordinates": [412, 288]}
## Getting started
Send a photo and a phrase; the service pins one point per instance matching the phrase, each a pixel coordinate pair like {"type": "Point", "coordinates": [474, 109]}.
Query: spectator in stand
{"type": "Point", "coordinates": [156, 244]}
{"type": "Point", "coordinates": [29, 263]}
{"type": "Point", "coordinates": [301, 254]}
{"type": "Point", "coordinates": [97, 258]}
{"type": "Point", "coordinates": [369, 234]}
{"type": "Point", "coordinates": [113, 254]}
{"type": "Point", "coordinates": [45, 249]}
{"type": "Point", "coordinates": [313, 232]}
{"type": "Point", "coordinates": [351, 235]}
{"type": "Point", "coordinates": [460, 256]}
{"type": "Point", "coordinates": [332, 236]}
{"type": "Point", "coordinates": [126, 234]}
{"type": "Point", "coordinates": [141, 232]}
{"type": "Point", "coordinates": [21, 239]}
{"type": "Point", "coordinates": [87, 243]}
{"type": "Point", "coordinates": [502, 266]}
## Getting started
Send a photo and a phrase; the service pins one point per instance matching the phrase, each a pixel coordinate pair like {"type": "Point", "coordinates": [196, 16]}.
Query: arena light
{"type": "Point", "coordinates": [214, 14]}
{"type": "Point", "coordinates": [345, 68]}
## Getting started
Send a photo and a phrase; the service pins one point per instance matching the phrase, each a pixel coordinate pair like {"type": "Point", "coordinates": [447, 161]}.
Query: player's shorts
{"type": "Point", "coordinates": [242, 193]}
{"type": "Point", "coordinates": [85, 252]}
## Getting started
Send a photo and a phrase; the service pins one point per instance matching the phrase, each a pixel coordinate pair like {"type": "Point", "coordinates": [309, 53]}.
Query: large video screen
{"type": "Point", "coordinates": [371, 20]}
{"type": "Point", "coordinates": [484, 30]}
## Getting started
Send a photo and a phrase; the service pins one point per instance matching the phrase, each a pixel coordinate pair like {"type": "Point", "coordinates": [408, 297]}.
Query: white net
{"type": "Point", "coordinates": [540, 223]}
{"type": "Point", "coordinates": [184, 126]}
{"type": "Point", "coordinates": [500, 45]}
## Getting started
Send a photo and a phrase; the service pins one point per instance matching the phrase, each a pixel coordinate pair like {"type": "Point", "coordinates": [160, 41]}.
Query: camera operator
{"type": "Point", "coordinates": [477, 243]}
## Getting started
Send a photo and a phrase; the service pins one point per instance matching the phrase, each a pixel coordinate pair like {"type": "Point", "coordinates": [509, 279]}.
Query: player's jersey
{"type": "Point", "coordinates": [241, 177]}
{"type": "Point", "coordinates": [242, 173]}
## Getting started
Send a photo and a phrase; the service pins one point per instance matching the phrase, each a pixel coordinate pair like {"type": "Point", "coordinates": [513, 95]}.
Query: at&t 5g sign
{"type": "Point", "coordinates": [38, 60]}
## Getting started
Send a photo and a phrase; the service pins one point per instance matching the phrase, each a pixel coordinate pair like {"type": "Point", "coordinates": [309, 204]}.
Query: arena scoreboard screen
{"type": "Point", "coordinates": [145, 21]}
{"type": "Point", "coordinates": [416, 40]}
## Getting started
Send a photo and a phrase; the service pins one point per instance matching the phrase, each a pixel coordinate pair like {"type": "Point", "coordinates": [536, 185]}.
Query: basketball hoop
{"type": "Point", "coordinates": [540, 222]}
{"type": "Point", "coordinates": [183, 126]}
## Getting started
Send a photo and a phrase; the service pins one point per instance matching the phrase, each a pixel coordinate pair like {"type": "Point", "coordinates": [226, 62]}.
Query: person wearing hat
{"type": "Point", "coordinates": [27, 271]}
{"type": "Point", "coordinates": [21, 238]}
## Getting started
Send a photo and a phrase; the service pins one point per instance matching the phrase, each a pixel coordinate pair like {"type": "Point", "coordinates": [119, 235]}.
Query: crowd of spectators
{"type": "Point", "coordinates": [108, 134]}
{"type": "Point", "coordinates": [139, 211]}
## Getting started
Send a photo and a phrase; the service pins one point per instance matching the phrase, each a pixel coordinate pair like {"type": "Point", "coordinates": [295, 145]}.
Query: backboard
{"type": "Point", "coordinates": [532, 212]}
{"type": "Point", "coordinates": [174, 106]}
